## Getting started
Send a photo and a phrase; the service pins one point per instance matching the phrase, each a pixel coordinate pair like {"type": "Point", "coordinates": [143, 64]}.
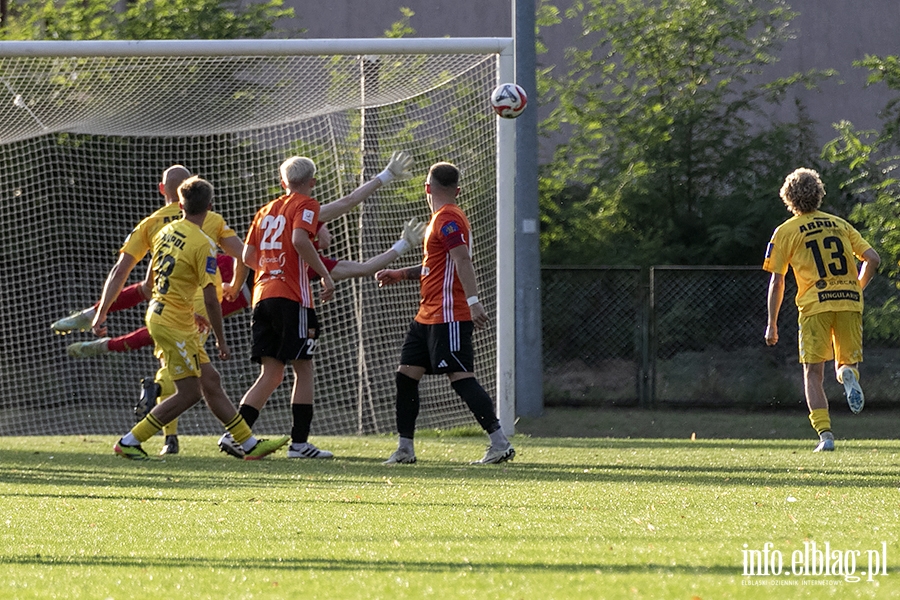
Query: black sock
{"type": "Point", "coordinates": [303, 414]}
{"type": "Point", "coordinates": [407, 405]}
{"type": "Point", "coordinates": [249, 413]}
{"type": "Point", "coordinates": [478, 401]}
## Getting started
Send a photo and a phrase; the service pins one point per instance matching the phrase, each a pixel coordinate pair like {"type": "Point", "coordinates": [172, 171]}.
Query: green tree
{"type": "Point", "coordinates": [871, 159]}
{"type": "Point", "coordinates": [672, 157]}
{"type": "Point", "coordinates": [145, 19]}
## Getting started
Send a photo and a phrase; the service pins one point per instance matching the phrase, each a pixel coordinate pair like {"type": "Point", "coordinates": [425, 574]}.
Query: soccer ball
{"type": "Point", "coordinates": [508, 100]}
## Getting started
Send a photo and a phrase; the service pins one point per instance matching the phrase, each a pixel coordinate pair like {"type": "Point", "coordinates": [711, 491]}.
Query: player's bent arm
{"type": "Point", "coordinates": [466, 272]}
{"type": "Point", "coordinates": [214, 313]}
{"type": "Point", "coordinates": [870, 262]}
{"type": "Point", "coordinates": [773, 304]}
{"type": "Point", "coordinates": [234, 247]}
{"type": "Point", "coordinates": [113, 285]}
{"type": "Point", "coordinates": [249, 258]}
{"type": "Point", "coordinates": [303, 244]}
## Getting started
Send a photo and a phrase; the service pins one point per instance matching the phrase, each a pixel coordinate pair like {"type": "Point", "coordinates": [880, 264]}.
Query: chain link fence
{"type": "Point", "coordinates": [692, 337]}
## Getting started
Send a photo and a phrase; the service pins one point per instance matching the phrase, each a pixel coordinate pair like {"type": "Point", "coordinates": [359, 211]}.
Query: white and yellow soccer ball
{"type": "Point", "coordinates": [508, 100]}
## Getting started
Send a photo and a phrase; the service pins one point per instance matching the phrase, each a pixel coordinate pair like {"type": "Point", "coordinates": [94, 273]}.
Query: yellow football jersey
{"type": "Point", "coordinates": [140, 240]}
{"type": "Point", "coordinates": [183, 263]}
{"type": "Point", "coordinates": [823, 250]}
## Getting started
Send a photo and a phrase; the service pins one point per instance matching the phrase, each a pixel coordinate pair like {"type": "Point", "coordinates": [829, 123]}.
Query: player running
{"type": "Point", "coordinates": [822, 250]}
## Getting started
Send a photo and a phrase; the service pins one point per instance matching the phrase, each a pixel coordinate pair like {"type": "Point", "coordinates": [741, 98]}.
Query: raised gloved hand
{"type": "Point", "coordinates": [397, 168]}
{"type": "Point", "coordinates": [412, 236]}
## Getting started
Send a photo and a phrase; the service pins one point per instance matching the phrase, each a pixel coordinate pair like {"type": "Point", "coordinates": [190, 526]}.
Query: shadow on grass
{"type": "Point", "coordinates": [36, 475]}
{"type": "Point", "coordinates": [318, 564]}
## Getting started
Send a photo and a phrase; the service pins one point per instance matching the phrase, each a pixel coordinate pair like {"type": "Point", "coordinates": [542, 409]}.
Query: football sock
{"type": "Point", "coordinates": [820, 420]}
{"type": "Point", "coordinates": [498, 439]}
{"type": "Point", "coordinates": [166, 389]}
{"type": "Point", "coordinates": [407, 405]}
{"type": "Point", "coordinates": [406, 444]}
{"type": "Point", "coordinates": [249, 413]}
{"type": "Point", "coordinates": [303, 414]}
{"type": "Point", "coordinates": [129, 296]}
{"type": "Point", "coordinates": [840, 373]}
{"type": "Point", "coordinates": [478, 401]}
{"type": "Point", "coordinates": [144, 430]}
{"type": "Point", "coordinates": [131, 341]}
{"type": "Point", "coordinates": [239, 429]}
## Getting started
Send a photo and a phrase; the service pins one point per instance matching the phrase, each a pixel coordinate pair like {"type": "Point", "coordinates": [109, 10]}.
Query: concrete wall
{"type": "Point", "coordinates": [829, 34]}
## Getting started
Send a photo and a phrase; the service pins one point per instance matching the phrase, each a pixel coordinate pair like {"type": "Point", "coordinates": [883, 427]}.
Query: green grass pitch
{"type": "Point", "coordinates": [649, 517]}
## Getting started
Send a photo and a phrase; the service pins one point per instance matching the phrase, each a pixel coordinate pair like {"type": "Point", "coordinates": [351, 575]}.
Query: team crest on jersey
{"type": "Point", "coordinates": [308, 215]}
{"type": "Point", "coordinates": [211, 265]}
{"type": "Point", "coordinates": [450, 228]}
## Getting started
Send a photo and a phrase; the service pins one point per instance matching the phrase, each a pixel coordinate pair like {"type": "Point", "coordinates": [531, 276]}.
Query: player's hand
{"type": "Point", "coordinates": [414, 232]}
{"type": "Point", "coordinates": [327, 292]}
{"type": "Point", "coordinates": [224, 350]}
{"type": "Point", "coordinates": [230, 292]}
{"type": "Point", "coordinates": [202, 323]}
{"type": "Point", "coordinates": [771, 335]}
{"type": "Point", "coordinates": [397, 168]}
{"type": "Point", "coordinates": [98, 325]}
{"type": "Point", "coordinates": [388, 277]}
{"type": "Point", "coordinates": [479, 316]}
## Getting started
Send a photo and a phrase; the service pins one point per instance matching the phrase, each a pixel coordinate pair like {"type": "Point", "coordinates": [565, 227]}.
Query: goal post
{"type": "Point", "coordinates": [86, 129]}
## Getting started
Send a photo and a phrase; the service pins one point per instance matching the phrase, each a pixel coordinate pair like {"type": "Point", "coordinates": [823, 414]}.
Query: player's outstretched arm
{"type": "Point", "coordinates": [411, 237]}
{"type": "Point", "coordinates": [115, 281]}
{"type": "Point", "coordinates": [392, 276]}
{"type": "Point", "coordinates": [397, 168]}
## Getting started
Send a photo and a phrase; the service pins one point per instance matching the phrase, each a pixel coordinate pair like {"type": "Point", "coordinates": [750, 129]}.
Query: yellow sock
{"type": "Point", "coordinates": [146, 428]}
{"type": "Point", "coordinates": [239, 429]}
{"type": "Point", "coordinates": [820, 420]}
{"type": "Point", "coordinates": [840, 373]}
{"type": "Point", "coordinates": [167, 388]}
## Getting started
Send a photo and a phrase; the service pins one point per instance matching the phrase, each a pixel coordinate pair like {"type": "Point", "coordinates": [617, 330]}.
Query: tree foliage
{"type": "Point", "coordinates": [872, 159]}
{"type": "Point", "coordinates": [144, 19]}
{"type": "Point", "coordinates": [672, 157]}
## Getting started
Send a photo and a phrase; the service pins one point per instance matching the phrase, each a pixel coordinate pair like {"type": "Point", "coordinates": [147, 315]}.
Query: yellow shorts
{"type": "Point", "coordinates": [180, 352]}
{"type": "Point", "coordinates": [831, 336]}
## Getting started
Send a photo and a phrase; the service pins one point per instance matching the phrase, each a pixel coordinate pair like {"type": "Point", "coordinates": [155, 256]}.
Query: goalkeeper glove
{"type": "Point", "coordinates": [413, 234]}
{"type": "Point", "coordinates": [397, 168]}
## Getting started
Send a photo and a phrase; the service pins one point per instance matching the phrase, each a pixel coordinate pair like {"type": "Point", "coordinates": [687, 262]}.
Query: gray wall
{"type": "Point", "coordinates": [830, 34]}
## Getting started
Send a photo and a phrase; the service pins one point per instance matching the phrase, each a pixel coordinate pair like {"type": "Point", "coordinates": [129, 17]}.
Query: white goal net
{"type": "Point", "coordinates": [86, 129]}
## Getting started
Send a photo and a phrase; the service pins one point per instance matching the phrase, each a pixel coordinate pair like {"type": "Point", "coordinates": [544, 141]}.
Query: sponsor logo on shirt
{"type": "Point", "coordinates": [450, 228]}
{"type": "Point", "coordinates": [308, 215]}
{"type": "Point", "coordinates": [821, 284]}
{"type": "Point", "coordinates": [769, 249]}
{"type": "Point", "coordinates": [211, 265]}
{"type": "Point", "coordinates": [839, 295]}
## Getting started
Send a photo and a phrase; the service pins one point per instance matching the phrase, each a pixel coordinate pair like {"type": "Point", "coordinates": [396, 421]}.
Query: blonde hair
{"type": "Point", "coordinates": [297, 169]}
{"type": "Point", "coordinates": [802, 191]}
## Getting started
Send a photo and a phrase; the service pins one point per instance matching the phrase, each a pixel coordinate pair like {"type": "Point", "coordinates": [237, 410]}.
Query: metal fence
{"type": "Point", "coordinates": [692, 336]}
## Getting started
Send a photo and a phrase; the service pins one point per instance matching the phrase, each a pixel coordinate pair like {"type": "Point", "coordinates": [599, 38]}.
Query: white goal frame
{"type": "Point", "coordinates": [505, 152]}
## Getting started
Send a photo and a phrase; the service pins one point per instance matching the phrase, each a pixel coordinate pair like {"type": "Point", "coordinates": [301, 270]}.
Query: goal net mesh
{"type": "Point", "coordinates": [83, 143]}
